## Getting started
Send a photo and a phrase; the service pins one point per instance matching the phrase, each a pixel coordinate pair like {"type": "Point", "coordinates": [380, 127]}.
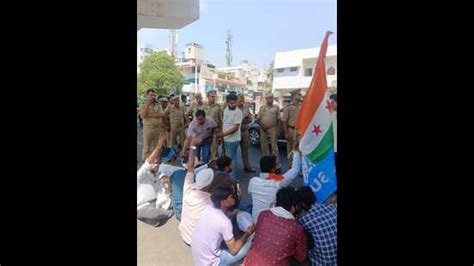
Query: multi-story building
{"type": "Point", "coordinates": [253, 76]}
{"type": "Point", "coordinates": [202, 76]}
{"type": "Point", "coordinates": [294, 70]}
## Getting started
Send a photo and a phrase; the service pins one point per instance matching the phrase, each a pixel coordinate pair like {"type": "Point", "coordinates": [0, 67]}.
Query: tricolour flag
{"type": "Point", "coordinates": [315, 125]}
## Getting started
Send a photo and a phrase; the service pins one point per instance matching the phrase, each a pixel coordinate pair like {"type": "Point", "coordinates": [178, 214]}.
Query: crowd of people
{"type": "Point", "coordinates": [281, 223]}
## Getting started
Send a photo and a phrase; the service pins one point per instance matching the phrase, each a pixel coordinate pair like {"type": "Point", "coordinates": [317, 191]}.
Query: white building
{"type": "Point", "coordinates": [294, 70]}
{"type": "Point", "coordinates": [193, 68]}
{"type": "Point", "coordinates": [255, 77]}
{"type": "Point", "coordinates": [202, 76]}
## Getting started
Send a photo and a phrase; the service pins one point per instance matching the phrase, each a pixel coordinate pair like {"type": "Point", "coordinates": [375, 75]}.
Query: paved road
{"type": "Point", "coordinates": [163, 245]}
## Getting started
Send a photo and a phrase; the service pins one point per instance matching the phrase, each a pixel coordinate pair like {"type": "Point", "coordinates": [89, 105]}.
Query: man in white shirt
{"type": "Point", "coordinates": [263, 188]}
{"type": "Point", "coordinates": [172, 176]}
{"type": "Point", "coordinates": [214, 227]}
{"type": "Point", "coordinates": [196, 197]}
{"type": "Point", "coordinates": [231, 131]}
{"type": "Point", "coordinates": [153, 201]}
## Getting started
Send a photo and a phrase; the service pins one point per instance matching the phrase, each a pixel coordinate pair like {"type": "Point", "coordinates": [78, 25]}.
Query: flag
{"type": "Point", "coordinates": [315, 125]}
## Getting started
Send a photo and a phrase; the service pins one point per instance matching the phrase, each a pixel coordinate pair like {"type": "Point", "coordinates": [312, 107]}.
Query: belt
{"type": "Point", "coordinates": [291, 127]}
{"type": "Point", "coordinates": [151, 126]}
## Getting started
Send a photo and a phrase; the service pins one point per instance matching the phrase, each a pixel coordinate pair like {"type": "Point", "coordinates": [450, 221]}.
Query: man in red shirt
{"type": "Point", "coordinates": [278, 236]}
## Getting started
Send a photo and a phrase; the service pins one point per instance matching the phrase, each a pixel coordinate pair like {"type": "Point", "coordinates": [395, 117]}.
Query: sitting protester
{"type": "Point", "coordinates": [172, 176]}
{"type": "Point", "coordinates": [321, 222]}
{"type": "Point", "coordinates": [278, 236]}
{"type": "Point", "coordinates": [153, 200]}
{"type": "Point", "coordinates": [224, 166]}
{"type": "Point", "coordinates": [214, 227]}
{"type": "Point", "coordinates": [307, 198]}
{"type": "Point", "coordinates": [196, 197]}
{"type": "Point", "coordinates": [263, 188]}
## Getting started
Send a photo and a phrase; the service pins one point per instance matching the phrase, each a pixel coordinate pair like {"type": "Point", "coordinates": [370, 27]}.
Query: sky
{"type": "Point", "coordinates": [260, 28]}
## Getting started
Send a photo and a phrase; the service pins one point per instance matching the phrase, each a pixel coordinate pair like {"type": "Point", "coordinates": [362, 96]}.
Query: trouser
{"type": "Point", "coordinates": [176, 137]}
{"type": "Point", "coordinates": [289, 144]}
{"type": "Point", "coordinates": [177, 185]}
{"type": "Point", "coordinates": [214, 147]}
{"type": "Point", "coordinates": [150, 137]}
{"type": "Point", "coordinates": [152, 215]}
{"type": "Point", "coordinates": [205, 148]}
{"type": "Point", "coordinates": [226, 258]}
{"type": "Point", "coordinates": [231, 151]}
{"type": "Point", "coordinates": [272, 134]}
{"type": "Point", "coordinates": [244, 147]}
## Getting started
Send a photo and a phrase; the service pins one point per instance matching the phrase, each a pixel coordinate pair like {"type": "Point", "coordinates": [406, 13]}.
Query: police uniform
{"type": "Point", "coordinates": [193, 109]}
{"type": "Point", "coordinates": [177, 122]}
{"type": "Point", "coordinates": [290, 112]}
{"type": "Point", "coordinates": [151, 128]}
{"type": "Point", "coordinates": [165, 125]}
{"type": "Point", "coordinates": [214, 112]}
{"type": "Point", "coordinates": [244, 134]}
{"type": "Point", "coordinates": [269, 117]}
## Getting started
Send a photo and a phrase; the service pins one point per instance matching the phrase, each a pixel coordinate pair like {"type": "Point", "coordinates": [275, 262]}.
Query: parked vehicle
{"type": "Point", "coordinates": [254, 133]}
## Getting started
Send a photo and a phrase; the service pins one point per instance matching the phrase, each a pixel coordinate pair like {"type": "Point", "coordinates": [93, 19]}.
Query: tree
{"type": "Point", "coordinates": [158, 71]}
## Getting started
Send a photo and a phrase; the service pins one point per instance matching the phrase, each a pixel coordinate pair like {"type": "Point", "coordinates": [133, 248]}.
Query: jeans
{"type": "Point", "coordinates": [231, 151]}
{"type": "Point", "coordinates": [177, 184]}
{"type": "Point", "coordinates": [205, 147]}
{"type": "Point", "coordinates": [226, 258]}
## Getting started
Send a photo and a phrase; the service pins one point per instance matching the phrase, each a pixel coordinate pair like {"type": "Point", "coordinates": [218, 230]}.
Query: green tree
{"type": "Point", "coordinates": [158, 71]}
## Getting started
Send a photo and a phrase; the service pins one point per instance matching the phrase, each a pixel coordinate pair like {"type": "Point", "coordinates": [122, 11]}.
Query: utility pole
{"type": "Point", "coordinates": [228, 52]}
{"type": "Point", "coordinates": [173, 38]}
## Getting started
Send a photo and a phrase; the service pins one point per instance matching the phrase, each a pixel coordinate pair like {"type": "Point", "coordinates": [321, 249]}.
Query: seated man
{"type": "Point", "coordinates": [224, 166]}
{"type": "Point", "coordinates": [321, 222]}
{"type": "Point", "coordinates": [152, 199]}
{"type": "Point", "coordinates": [213, 227]}
{"type": "Point", "coordinates": [196, 197]}
{"type": "Point", "coordinates": [278, 236]}
{"type": "Point", "coordinates": [222, 174]}
{"type": "Point", "coordinates": [263, 188]}
{"type": "Point", "coordinates": [170, 172]}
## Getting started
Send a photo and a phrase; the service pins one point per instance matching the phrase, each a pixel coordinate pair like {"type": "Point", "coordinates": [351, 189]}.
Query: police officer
{"type": "Point", "coordinates": [165, 125]}
{"type": "Point", "coordinates": [244, 132]}
{"type": "Point", "coordinates": [151, 113]}
{"type": "Point", "coordinates": [289, 120]}
{"type": "Point", "coordinates": [214, 111]}
{"type": "Point", "coordinates": [268, 118]}
{"type": "Point", "coordinates": [177, 119]}
{"type": "Point", "coordinates": [198, 104]}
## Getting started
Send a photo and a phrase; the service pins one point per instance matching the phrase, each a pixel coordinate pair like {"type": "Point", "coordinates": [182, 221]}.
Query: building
{"type": "Point", "coordinates": [294, 70]}
{"type": "Point", "coordinates": [202, 76]}
{"type": "Point", "coordinates": [253, 76]}
{"type": "Point", "coordinates": [166, 14]}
